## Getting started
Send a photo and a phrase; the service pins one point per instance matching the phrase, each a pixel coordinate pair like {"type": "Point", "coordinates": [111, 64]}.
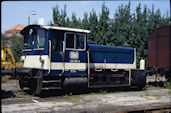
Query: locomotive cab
{"type": "Point", "coordinates": [52, 53]}
{"type": "Point", "coordinates": [54, 46]}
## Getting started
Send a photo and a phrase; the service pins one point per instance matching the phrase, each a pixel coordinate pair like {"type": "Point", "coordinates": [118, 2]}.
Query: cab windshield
{"type": "Point", "coordinates": [40, 38]}
{"type": "Point", "coordinates": [34, 39]}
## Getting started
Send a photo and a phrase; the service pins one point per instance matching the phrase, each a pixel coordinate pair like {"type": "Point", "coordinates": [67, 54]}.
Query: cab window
{"type": "Point", "coordinates": [27, 39]}
{"type": "Point", "coordinates": [41, 38]}
{"type": "Point", "coordinates": [56, 41]}
{"type": "Point", "coordinates": [75, 41]}
{"type": "Point", "coordinates": [70, 41]}
{"type": "Point", "coordinates": [80, 41]}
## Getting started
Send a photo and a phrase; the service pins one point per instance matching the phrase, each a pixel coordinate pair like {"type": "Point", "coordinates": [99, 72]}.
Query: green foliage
{"type": "Point", "coordinates": [103, 26]}
{"type": "Point", "coordinates": [2, 36]}
{"type": "Point", "coordinates": [92, 25]}
{"type": "Point", "coordinates": [16, 44]}
{"type": "Point", "coordinates": [5, 78]}
{"type": "Point", "coordinates": [167, 84]}
{"type": "Point", "coordinates": [56, 15]}
{"type": "Point", "coordinates": [126, 28]}
{"type": "Point", "coordinates": [17, 47]}
{"type": "Point", "coordinates": [103, 92]}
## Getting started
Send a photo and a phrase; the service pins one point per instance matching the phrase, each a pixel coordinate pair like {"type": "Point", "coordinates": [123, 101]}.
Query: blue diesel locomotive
{"type": "Point", "coordinates": [54, 55]}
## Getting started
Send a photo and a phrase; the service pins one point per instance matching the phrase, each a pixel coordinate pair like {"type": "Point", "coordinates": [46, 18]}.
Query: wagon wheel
{"type": "Point", "coordinates": [38, 83]}
{"type": "Point", "coordinates": [168, 76]}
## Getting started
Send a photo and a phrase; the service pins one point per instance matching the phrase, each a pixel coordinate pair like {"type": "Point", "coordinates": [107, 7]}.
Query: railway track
{"type": "Point", "coordinates": [151, 100]}
{"type": "Point", "coordinates": [148, 110]}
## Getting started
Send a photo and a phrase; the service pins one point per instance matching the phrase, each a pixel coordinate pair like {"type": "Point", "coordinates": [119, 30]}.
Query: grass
{"type": "Point", "coordinates": [103, 92]}
{"type": "Point", "coordinates": [73, 98]}
{"type": "Point", "coordinates": [167, 85]}
{"type": "Point", "coordinates": [92, 93]}
{"type": "Point", "coordinates": [169, 92]}
{"type": "Point", "coordinates": [18, 93]}
{"type": "Point", "coordinates": [5, 78]}
{"type": "Point", "coordinates": [146, 93]}
{"type": "Point", "coordinates": [15, 86]}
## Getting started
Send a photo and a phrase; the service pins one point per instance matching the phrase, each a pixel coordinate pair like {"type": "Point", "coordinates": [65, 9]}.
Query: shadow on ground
{"type": "Point", "coordinates": [156, 83]}
{"type": "Point", "coordinates": [79, 91]}
{"type": "Point", "coordinates": [7, 94]}
{"type": "Point", "coordinates": [74, 90]}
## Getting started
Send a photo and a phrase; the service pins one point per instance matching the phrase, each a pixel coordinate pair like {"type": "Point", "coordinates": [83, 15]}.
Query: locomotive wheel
{"type": "Point", "coordinates": [21, 84]}
{"type": "Point", "coordinates": [168, 76]}
{"type": "Point", "coordinates": [38, 83]}
{"type": "Point", "coordinates": [38, 88]}
{"type": "Point", "coordinates": [139, 88]}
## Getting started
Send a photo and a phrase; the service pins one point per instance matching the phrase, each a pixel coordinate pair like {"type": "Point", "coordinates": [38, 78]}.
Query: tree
{"type": "Point", "coordinates": [68, 22]}
{"type": "Point", "coordinates": [74, 20]}
{"type": "Point", "coordinates": [121, 28]}
{"type": "Point", "coordinates": [85, 22]}
{"type": "Point", "coordinates": [93, 23]}
{"type": "Point", "coordinates": [103, 26]}
{"type": "Point", "coordinates": [17, 47]}
{"type": "Point", "coordinates": [130, 29]}
{"type": "Point", "coordinates": [56, 15]}
{"type": "Point", "coordinates": [63, 16]}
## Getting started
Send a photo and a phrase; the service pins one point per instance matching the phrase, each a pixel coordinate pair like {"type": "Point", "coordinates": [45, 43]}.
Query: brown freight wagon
{"type": "Point", "coordinates": [159, 51]}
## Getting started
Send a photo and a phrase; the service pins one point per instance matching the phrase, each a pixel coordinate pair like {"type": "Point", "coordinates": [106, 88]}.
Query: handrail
{"type": "Point", "coordinates": [130, 77]}
{"type": "Point", "coordinates": [88, 58]}
{"type": "Point", "coordinates": [49, 56]}
{"type": "Point", "coordinates": [63, 58]}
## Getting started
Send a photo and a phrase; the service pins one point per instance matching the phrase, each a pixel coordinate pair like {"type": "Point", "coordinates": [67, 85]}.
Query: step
{"type": "Point", "coordinates": [112, 75]}
{"type": "Point", "coordinates": [48, 88]}
{"type": "Point", "coordinates": [103, 86]}
{"type": "Point", "coordinates": [51, 81]}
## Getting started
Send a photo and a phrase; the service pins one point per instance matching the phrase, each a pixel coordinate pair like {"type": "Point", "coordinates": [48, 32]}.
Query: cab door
{"type": "Point", "coordinates": [56, 52]}
{"type": "Point", "coordinates": [75, 53]}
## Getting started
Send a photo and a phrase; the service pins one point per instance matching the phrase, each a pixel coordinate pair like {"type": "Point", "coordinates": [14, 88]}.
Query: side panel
{"type": "Point", "coordinates": [152, 44]}
{"type": "Point", "coordinates": [159, 48]}
{"type": "Point", "coordinates": [163, 51]}
{"type": "Point", "coordinates": [108, 57]}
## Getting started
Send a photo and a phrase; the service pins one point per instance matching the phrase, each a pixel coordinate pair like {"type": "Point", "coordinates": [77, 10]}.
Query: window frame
{"type": "Point", "coordinates": [27, 48]}
{"type": "Point", "coordinates": [75, 41]}
{"type": "Point", "coordinates": [56, 38]}
{"type": "Point", "coordinates": [38, 40]}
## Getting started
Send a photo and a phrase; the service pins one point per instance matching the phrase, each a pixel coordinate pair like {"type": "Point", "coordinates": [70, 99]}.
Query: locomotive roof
{"type": "Point", "coordinates": [56, 28]}
{"type": "Point", "coordinates": [67, 29]}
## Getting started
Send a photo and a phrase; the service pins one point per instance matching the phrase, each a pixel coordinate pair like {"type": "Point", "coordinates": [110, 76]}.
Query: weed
{"type": "Point", "coordinates": [167, 85]}
{"type": "Point", "coordinates": [92, 93]}
{"type": "Point", "coordinates": [169, 92]}
{"type": "Point", "coordinates": [103, 91]}
{"type": "Point", "coordinates": [5, 78]}
{"type": "Point", "coordinates": [20, 93]}
{"type": "Point", "coordinates": [73, 99]}
{"type": "Point", "coordinates": [15, 86]}
{"type": "Point", "coordinates": [146, 92]}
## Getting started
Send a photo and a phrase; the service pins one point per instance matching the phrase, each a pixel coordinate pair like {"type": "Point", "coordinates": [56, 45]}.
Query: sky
{"type": "Point", "coordinates": [17, 12]}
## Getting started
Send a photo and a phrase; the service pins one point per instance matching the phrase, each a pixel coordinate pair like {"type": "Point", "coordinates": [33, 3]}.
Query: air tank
{"type": "Point", "coordinates": [142, 64]}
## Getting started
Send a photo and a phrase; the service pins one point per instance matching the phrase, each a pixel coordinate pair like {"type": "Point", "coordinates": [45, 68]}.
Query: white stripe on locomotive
{"type": "Point", "coordinates": [33, 61]}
